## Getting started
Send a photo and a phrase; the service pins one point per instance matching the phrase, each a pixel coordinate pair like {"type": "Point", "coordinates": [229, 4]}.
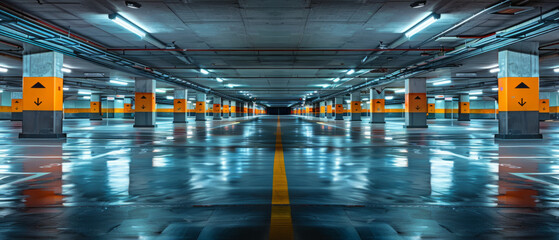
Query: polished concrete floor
{"type": "Point", "coordinates": [215, 180]}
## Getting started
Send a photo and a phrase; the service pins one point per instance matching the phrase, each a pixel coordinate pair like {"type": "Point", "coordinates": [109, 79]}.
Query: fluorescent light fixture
{"type": "Point", "coordinates": [170, 97]}
{"type": "Point", "coordinates": [476, 92]}
{"type": "Point", "coordinates": [2, 69]}
{"type": "Point", "coordinates": [403, 90]}
{"type": "Point", "coordinates": [66, 70]}
{"type": "Point", "coordinates": [422, 24]}
{"type": "Point", "coordinates": [65, 88]}
{"type": "Point", "coordinates": [349, 72]}
{"type": "Point", "coordinates": [336, 79]}
{"type": "Point", "coordinates": [315, 91]}
{"type": "Point", "coordinates": [204, 71]}
{"type": "Point", "coordinates": [159, 90]}
{"type": "Point", "coordinates": [494, 70]}
{"type": "Point", "coordinates": [448, 99]}
{"type": "Point", "coordinates": [127, 24]}
{"type": "Point", "coordinates": [442, 82]}
{"type": "Point", "coordinates": [84, 92]}
{"type": "Point", "coordinates": [473, 97]}
{"type": "Point", "coordinates": [1, 90]}
{"type": "Point", "coordinates": [219, 79]}
{"type": "Point", "coordinates": [86, 97]}
{"type": "Point", "coordinates": [348, 101]}
{"type": "Point", "coordinates": [495, 89]}
{"type": "Point", "coordinates": [556, 70]}
{"type": "Point", "coordinates": [496, 65]}
{"type": "Point", "coordinates": [118, 82]}
{"type": "Point", "coordinates": [389, 97]}
{"type": "Point", "coordinates": [230, 85]}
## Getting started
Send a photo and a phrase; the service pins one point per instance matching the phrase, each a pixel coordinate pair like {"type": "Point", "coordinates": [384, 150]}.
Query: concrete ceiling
{"type": "Point", "coordinates": [276, 77]}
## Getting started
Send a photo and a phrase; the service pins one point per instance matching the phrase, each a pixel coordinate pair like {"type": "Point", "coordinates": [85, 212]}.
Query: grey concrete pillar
{"type": "Point", "coordinates": [554, 104]}
{"type": "Point", "coordinates": [448, 106]}
{"type": "Point", "coordinates": [464, 108]}
{"type": "Point", "coordinates": [339, 108]}
{"type": "Point", "coordinates": [226, 108]}
{"type": "Point", "coordinates": [6, 103]}
{"type": "Point", "coordinates": [431, 108]}
{"type": "Point", "coordinates": [200, 107]}
{"type": "Point", "coordinates": [544, 106]}
{"type": "Point", "coordinates": [95, 107]}
{"type": "Point", "coordinates": [128, 112]}
{"type": "Point", "coordinates": [519, 92]}
{"type": "Point", "coordinates": [355, 106]}
{"type": "Point", "coordinates": [416, 103]}
{"type": "Point", "coordinates": [42, 94]}
{"type": "Point", "coordinates": [234, 113]}
{"type": "Point", "coordinates": [180, 102]}
{"type": "Point", "coordinates": [322, 109]}
{"type": "Point", "coordinates": [217, 107]}
{"type": "Point", "coordinates": [17, 106]}
{"type": "Point", "coordinates": [376, 95]}
{"type": "Point", "coordinates": [145, 103]}
{"type": "Point", "coordinates": [329, 109]}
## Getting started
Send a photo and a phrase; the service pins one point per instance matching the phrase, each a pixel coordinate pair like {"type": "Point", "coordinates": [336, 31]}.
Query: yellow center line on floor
{"type": "Point", "coordinates": [281, 226]}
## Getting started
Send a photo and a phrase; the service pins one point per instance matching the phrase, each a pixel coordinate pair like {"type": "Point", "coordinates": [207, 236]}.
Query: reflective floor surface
{"type": "Point", "coordinates": [301, 178]}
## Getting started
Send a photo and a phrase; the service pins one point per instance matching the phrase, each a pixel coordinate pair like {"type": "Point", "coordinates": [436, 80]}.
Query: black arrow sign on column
{"type": "Point", "coordinates": [418, 107]}
{"type": "Point", "coordinates": [38, 102]}
{"type": "Point", "coordinates": [522, 103]}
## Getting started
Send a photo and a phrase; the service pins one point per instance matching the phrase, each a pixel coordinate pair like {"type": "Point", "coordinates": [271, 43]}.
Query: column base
{"type": "Point", "coordinates": [48, 135]}
{"type": "Point", "coordinates": [520, 136]}
{"type": "Point", "coordinates": [217, 118]}
{"type": "Point", "coordinates": [377, 122]}
{"type": "Point", "coordinates": [356, 120]}
{"type": "Point", "coordinates": [200, 120]}
{"type": "Point", "coordinates": [144, 126]}
{"type": "Point", "coordinates": [416, 126]}
{"type": "Point", "coordinates": [95, 119]}
{"type": "Point", "coordinates": [179, 121]}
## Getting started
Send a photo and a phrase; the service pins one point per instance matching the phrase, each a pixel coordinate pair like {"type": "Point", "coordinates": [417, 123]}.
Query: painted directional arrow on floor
{"type": "Point", "coordinates": [522, 103]}
{"type": "Point", "coordinates": [38, 101]}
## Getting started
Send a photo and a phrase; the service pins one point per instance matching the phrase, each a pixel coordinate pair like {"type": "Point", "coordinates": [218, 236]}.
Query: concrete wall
{"type": "Point", "coordinates": [394, 110]}
{"type": "Point", "coordinates": [482, 109]}
{"type": "Point", "coordinates": [164, 110]}
{"type": "Point", "coordinates": [76, 109]}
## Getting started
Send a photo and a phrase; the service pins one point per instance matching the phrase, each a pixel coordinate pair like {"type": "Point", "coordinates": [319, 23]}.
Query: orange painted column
{"type": "Point", "coordinates": [464, 108]}
{"type": "Point", "coordinates": [377, 106]}
{"type": "Point", "coordinates": [544, 107]}
{"type": "Point", "coordinates": [200, 107]}
{"type": "Point", "coordinates": [95, 107]}
{"type": "Point", "coordinates": [225, 111]}
{"type": "Point", "coordinates": [339, 103]}
{"type": "Point", "coordinates": [519, 88]}
{"type": "Point", "coordinates": [416, 103]}
{"type": "Point", "coordinates": [180, 101]}
{"type": "Point", "coordinates": [42, 95]}
{"type": "Point", "coordinates": [144, 115]}
{"type": "Point", "coordinates": [128, 108]}
{"type": "Point", "coordinates": [17, 106]}
{"type": "Point", "coordinates": [217, 108]}
{"type": "Point", "coordinates": [355, 106]}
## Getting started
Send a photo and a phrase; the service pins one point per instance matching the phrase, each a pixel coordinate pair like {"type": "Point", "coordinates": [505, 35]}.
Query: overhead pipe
{"type": "Point", "coordinates": [281, 50]}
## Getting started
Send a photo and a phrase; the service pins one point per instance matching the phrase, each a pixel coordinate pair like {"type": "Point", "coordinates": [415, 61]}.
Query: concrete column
{"type": "Point", "coordinates": [217, 108]}
{"type": "Point", "coordinates": [128, 111]}
{"type": "Point", "coordinates": [42, 94]}
{"type": "Point", "coordinates": [439, 108]}
{"type": "Point", "coordinates": [180, 102]}
{"type": "Point", "coordinates": [431, 108]}
{"type": "Point", "coordinates": [95, 107]}
{"type": "Point", "coordinates": [339, 108]}
{"type": "Point", "coordinates": [233, 109]}
{"type": "Point", "coordinates": [118, 107]}
{"type": "Point", "coordinates": [226, 111]}
{"type": "Point", "coordinates": [464, 108]}
{"type": "Point", "coordinates": [519, 92]}
{"type": "Point", "coordinates": [329, 109]}
{"type": "Point", "coordinates": [5, 104]}
{"type": "Point", "coordinates": [200, 107]}
{"type": "Point", "coordinates": [356, 106]}
{"type": "Point", "coordinates": [145, 103]}
{"type": "Point", "coordinates": [376, 95]}
{"type": "Point", "coordinates": [322, 109]}
{"type": "Point", "coordinates": [544, 106]}
{"type": "Point", "coordinates": [416, 103]}
{"type": "Point", "coordinates": [17, 106]}
{"type": "Point", "coordinates": [553, 104]}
